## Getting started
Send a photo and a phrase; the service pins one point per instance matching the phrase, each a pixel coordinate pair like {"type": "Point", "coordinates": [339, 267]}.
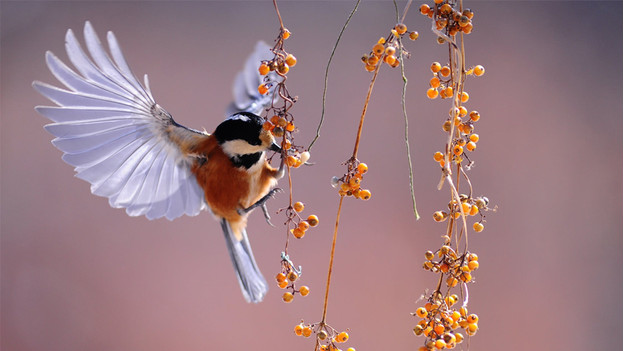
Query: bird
{"type": "Point", "coordinates": [133, 152]}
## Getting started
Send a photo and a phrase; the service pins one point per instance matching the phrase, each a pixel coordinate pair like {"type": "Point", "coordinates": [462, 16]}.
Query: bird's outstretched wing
{"type": "Point", "coordinates": [115, 135]}
{"type": "Point", "coordinates": [245, 87]}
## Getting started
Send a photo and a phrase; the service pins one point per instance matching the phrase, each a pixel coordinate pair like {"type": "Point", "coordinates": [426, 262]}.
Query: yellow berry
{"type": "Point", "coordinates": [365, 194]}
{"type": "Point", "coordinates": [479, 70]}
{"type": "Point", "coordinates": [390, 59]}
{"type": "Point", "coordinates": [459, 337]}
{"type": "Point", "coordinates": [474, 137]}
{"type": "Point", "coordinates": [473, 209]}
{"type": "Point", "coordinates": [354, 182]}
{"type": "Point", "coordinates": [455, 316]}
{"type": "Point", "coordinates": [440, 344]}
{"type": "Point", "coordinates": [313, 220]}
{"type": "Point", "coordinates": [307, 331]}
{"type": "Point", "coordinates": [472, 328]}
{"type": "Point", "coordinates": [429, 255]}
{"type": "Point", "coordinates": [263, 89]}
{"type": "Point", "coordinates": [478, 227]}
{"type": "Point", "coordinates": [413, 35]}
{"type": "Point", "coordinates": [298, 206]}
{"type": "Point", "coordinates": [473, 265]}
{"type": "Point", "coordinates": [291, 60]}
{"type": "Point", "coordinates": [263, 69]}
{"type": "Point", "coordinates": [462, 111]}
{"type": "Point", "coordinates": [432, 93]}
{"type": "Point", "coordinates": [400, 28]}
{"type": "Point", "coordinates": [287, 297]}
{"type": "Point", "coordinates": [283, 68]}
{"type": "Point", "coordinates": [436, 67]}
{"type": "Point", "coordinates": [446, 126]}
{"type": "Point", "coordinates": [304, 290]}
{"type": "Point", "coordinates": [362, 168]}
{"type": "Point", "coordinates": [390, 50]}
{"type": "Point", "coordinates": [439, 216]}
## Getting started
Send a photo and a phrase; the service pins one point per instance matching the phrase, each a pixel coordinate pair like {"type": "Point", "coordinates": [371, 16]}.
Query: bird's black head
{"type": "Point", "coordinates": [243, 139]}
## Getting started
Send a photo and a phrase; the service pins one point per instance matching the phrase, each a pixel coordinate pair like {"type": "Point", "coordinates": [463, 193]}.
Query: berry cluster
{"type": "Point", "coordinates": [301, 225]}
{"type": "Point", "coordinates": [385, 50]}
{"type": "Point", "coordinates": [454, 267]}
{"type": "Point", "coordinates": [468, 205]}
{"type": "Point", "coordinates": [280, 64]}
{"type": "Point", "coordinates": [441, 84]}
{"type": "Point", "coordinates": [448, 19]}
{"type": "Point", "coordinates": [327, 337]}
{"type": "Point", "coordinates": [350, 183]}
{"type": "Point", "coordinates": [286, 280]}
{"type": "Point", "coordinates": [441, 323]}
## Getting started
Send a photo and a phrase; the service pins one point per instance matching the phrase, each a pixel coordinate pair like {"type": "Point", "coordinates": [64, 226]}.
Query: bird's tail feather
{"type": "Point", "coordinates": [251, 281]}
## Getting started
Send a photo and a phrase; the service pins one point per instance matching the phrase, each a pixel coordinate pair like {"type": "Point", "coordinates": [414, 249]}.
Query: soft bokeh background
{"type": "Point", "coordinates": [78, 275]}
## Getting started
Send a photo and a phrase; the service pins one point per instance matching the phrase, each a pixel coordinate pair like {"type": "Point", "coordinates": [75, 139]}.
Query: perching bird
{"type": "Point", "coordinates": [132, 151]}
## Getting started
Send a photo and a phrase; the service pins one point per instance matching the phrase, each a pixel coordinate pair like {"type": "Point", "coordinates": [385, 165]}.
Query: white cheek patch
{"type": "Point", "coordinates": [240, 147]}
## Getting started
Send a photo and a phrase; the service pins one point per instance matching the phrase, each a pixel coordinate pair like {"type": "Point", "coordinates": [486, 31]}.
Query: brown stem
{"type": "Point", "coordinates": [331, 262]}
{"type": "Point", "coordinates": [368, 95]}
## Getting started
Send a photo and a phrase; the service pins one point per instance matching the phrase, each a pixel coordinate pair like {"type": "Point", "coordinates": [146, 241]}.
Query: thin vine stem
{"type": "Point", "coordinates": [331, 57]}
{"type": "Point", "coordinates": [331, 261]}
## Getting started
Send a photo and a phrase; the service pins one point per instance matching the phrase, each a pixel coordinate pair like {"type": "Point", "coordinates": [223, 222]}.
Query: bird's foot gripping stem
{"type": "Point", "coordinates": [261, 203]}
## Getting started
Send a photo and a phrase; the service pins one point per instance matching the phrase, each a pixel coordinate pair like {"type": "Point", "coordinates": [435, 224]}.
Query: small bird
{"type": "Point", "coordinates": [134, 153]}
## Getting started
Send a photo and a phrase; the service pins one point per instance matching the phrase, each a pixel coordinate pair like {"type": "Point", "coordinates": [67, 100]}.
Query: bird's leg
{"type": "Point", "coordinates": [261, 203]}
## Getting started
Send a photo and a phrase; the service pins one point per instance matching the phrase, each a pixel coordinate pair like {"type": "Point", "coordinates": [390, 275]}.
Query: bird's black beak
{"type": "Point", "coordinates": [275, 147]}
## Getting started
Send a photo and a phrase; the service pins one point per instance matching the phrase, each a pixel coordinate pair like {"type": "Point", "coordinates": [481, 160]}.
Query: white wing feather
{"type": "Point", "coordinates": [111, 130]}
{"type": "Point", "coordinates": [245, 87]}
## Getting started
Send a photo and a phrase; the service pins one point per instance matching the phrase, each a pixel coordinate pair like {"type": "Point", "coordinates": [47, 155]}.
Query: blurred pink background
{"type": "Point", "coordinates": [79, 275]}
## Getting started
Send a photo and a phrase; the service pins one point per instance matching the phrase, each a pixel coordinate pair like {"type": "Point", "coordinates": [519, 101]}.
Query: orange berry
{"type": "Point", "coordinates": [474, 137]}
{"type": "Point", "coordinates": [313, 220]}
{"type": "Point", "coordinates": [439, 216]}
{"type": "Point", "coordinates": [413, 35]}
{"type": "Point", "coordinates": [291, 60]}
{"type": "Point", "coordinates": [439, 329]}
{"type": "Point", "coordinates": [303, 225]}
{"type": "Point", "coordinates": [307, 331]}
{"type": "Point", "coordinates": [283, 284]}
{"type": "Point", "coordinates": [378, 49]}
{"type": "Point", "coordinates": [440, 344]}
{"type": "Point", "coordinates": [362, 168]}
{"type": "Point", "coordinates": [462, 111]}
{"type": "Point", "coordinates": [291, 160]}
{"type": "Point", "coordinates": [400, 28]}
{"type": "Point", "coordinates": [274, 119]}
{"type": "Point", "coordinates": [446, 126]}
{"type": "Point", "coordinates": [464, 96]}
{"type": "Point", "coordinates": [478, 227]}
{"type": "Point", "coordinates": [390, 59]}
{"type": "Point", "coordinates": [467, 28]}
{"type": "Point", "coordinates": [438, 156]}
{"type": "Point", "coordinates": [471, 146]}
{"type": "Point", "coordinates": [263, 89]}
{"type": "Point", "coordinates": [298, 206]}
{"type": "Point", "coordinates": [472, 328]}
{"type": "Point", "coordinates": [479, 70]}
{"type": "Point", "coordinates": [342, 337]}
{"type": "Point", "coordinates": [473, 265]}
{"type": "Point", "coordinates": [283, 68]}
{"type": "Point", "coordinates": [436, 67]}
{"type": "Point", "coordinates": [455, 316]}
{"type": "Point", "coordinates": [473, 209]}
{"type": "Point", "coordinates": [298, 233]}
{"type": "Point", "coordinates": [458, 150]}
{"type": "Point", "coordinates": [432, 93]}
{"type": "Point", "coordinates": [474, 116]}
{"type": "Point", "coordinates": [424, 9]}
{"type": "Point", "coordinates": [299, 329]}
{"type": "Point", "coordinates": [267, 125]}
{"type": "Point", "coordinates": [292, 276]}
{"type": "Point", "coordinates": [434, 82]}
{"type": "Point", "coordinates": [369, 68]}
{"type": "Point", "coordinates": [422, 312]}
{"type": "Point", "coordinates": [290, 126]}
{"type": "Point", "coordinates": [446, 9]}
{"type": "Point", "coordinates": [365, 194]}
{"type": "Point", "coordinates": [263, 69]}
{"type": "Point", "coordinates": [390, 50]}
{"type": "Point", "coordinates": [304, 290]}
{"type": "Point", "coordinates": [354, 182]}
{"type": "Point", "coordinates": [285, 34]}
{"type": "Point", "coordinates": [445, 71]}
